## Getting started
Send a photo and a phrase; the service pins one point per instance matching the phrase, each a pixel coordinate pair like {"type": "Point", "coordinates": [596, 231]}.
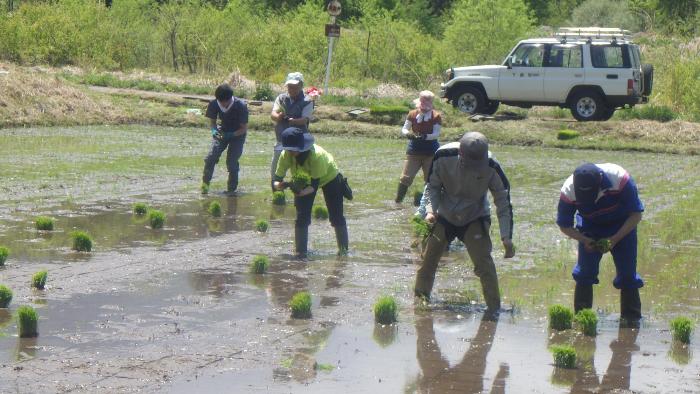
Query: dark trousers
{"type": "Point", "coordinates": [235, 150]}
{"type": "Point", "coordinates": [333, 194]}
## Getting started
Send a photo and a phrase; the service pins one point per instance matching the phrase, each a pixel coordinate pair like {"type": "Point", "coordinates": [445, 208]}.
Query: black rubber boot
{"type": "Point", "coordinates": [583, 297]}
{"type": "Point", "coordinates": [232, 184]}
{"type": "Point", "coordinates": [301, 239]}
{"type": "Point", "coordinates": [630, 306]}
{"type": "Point", "coordinates": [341, 236]}
{"type": "Point", "coordinates": [401, 192]}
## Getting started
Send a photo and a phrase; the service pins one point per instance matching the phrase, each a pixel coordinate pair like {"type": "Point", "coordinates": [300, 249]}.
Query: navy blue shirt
{"type": "Point", "coordinates": [233, 118]}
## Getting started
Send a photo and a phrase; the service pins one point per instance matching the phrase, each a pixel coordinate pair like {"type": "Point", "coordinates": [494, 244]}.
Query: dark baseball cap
{"type": "Point", "coordinates": [587, 179]}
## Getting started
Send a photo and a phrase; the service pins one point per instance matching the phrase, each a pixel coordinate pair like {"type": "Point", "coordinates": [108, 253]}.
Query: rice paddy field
{"type": "Point", "coordinates": [176, 309]}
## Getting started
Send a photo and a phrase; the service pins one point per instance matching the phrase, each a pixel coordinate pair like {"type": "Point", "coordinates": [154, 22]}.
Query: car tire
{"type": "Point", "coordinates": [648, 75]}
{"type": "Point", "coordinates": [469, 100]}
{"type": "Point", "coordinates": [491, 107]}
{"type": "Point", "coordinates": [609, 112]}
{"type": "Point", "coordinates": [587, 105]}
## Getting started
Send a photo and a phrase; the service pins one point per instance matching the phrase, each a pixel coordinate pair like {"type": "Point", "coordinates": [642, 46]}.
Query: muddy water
{"type": "Point", "coordinates": [175, 310]}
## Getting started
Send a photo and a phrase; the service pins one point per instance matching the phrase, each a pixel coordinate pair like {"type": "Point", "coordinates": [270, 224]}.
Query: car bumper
{"type": "Point", "coordinates": [619, 101]}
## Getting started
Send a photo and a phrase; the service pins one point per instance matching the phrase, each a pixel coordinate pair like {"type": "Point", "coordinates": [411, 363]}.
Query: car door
{"type": "Point", "coordinates": [610, 68]}
{"type": "Point", "coordinates": [523, 81]}
{"type": "Point", "coordinates": [563, 70]}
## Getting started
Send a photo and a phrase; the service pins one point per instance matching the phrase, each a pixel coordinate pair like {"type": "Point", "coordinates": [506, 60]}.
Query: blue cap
{"type": "Point", "coordinates": [587, 179]}
{"type": "Point", "coordinates": [296, 140]}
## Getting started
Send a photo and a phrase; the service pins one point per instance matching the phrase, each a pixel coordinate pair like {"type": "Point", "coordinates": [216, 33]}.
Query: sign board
{"type": "Point", "coordinates": [332, 30]}
{"type": "Point", "coordinates": [334, 8]}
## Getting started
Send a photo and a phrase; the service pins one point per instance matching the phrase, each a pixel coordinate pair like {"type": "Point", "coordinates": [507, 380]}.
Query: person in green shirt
{"type": "Point", "coordinates": [301, 155]}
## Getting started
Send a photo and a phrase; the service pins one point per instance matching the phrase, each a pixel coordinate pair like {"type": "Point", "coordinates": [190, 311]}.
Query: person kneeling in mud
{"type": "Point", "coordinates": [301, 156]}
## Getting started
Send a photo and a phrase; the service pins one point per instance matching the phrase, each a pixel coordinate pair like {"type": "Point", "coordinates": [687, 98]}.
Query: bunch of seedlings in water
{"type": "Point", "coordinates": [564, 356]}
{"type": "Point", "coordinates": [4, 252]}
{"type": "Point", "coordinates": [260, 264]}
{"type": "Point", "coordinates": [320, 212]}
{"type": "Point", "coordinates": [421, 228]}
{"type": "Point", "coordinates": [279, 198]}
{"type": "Point", "coordinates": [300, 304]}
{"type": "Point", "coordinates": [204, 188]}
{"type": "Point", "coordinates": [300, 180]}
{"type": "Point", "coordinates": [587, 321]}
{"type": "Point", "coordinates": [27, 322]}
{"type": "Point", "coordinates": [156, 218]}
{"type": "Point", "coordinates": [44, 223]}
{"type": "Point", "coordinates": [385, 310]}
{"type": "Point", "coordinates": [261, 225]}
{"type": "Point", "coordinates": [5, 296]}
{"type": "Point", "coordinates": [681, 329]}
{"type": "Point", "coordinates": [602, 245]}
{"type": "Point", "coordinates": [82, 242]}
{"type": "Point", "coordinates": [560, 317]}
{"type": "Point", "coordinates": [140, 209]}
{"type": "Point", "coordinates": [39, 280]}
{"type": "Point", "coordinates": [215, 209]}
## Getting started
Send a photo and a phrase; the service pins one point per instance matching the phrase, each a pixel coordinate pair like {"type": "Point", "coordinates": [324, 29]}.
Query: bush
{"type": "Point", "coordinates": [300, 305]}
{"type": "Point", "coordinates": [385, 310]}
{"type": "Point", "coordinates": [27, 322]}
{"type": "Point", "coordinates": [564, 356]}
{"type": "Point", "coordinates": [615, 13]}
{"type": "Point", "coordinates": [4, 252]}
{"type": "Point", "coordinates": [587, 321]}
{"type": "Point", "coordinates": [560, 317]}
{"type": "Point", "coordinates": [5, 296]}
{"type": "Point", "coordinates": [300, 180]}
{"type": "Point", "coordinates": [39, 280]}
{"type": "Point", "coordinates": [140, 208]}
{"type": "Point", "coordinates": [320, 212]}
{"type": "Point", "coordinates": [261, 225]}
{"type": "Point", "coordinates": [259, 265]}
{"type": "Point", "coordinates": [279, 198]}
{"type": "Point", "coordinates": [156, 218]}
{"type": "Point", "coordinates": [82, 242]}
{"type": "Point", "coordinates": [215, 209]}
{"type": "Point", "coordinates": [263, 92]}
{"type": "Point", "coordinates": [44, 223]}
{"type": "Point", "coordinates": [681, 329]}
{"type": "Point", "coordinates": [567, 134]}
{"type": "Point", "coordinates": [421, 228]}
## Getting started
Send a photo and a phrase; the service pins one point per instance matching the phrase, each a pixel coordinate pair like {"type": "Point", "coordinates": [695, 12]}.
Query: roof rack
{"type": "Point", "coordinates": [593, 33]}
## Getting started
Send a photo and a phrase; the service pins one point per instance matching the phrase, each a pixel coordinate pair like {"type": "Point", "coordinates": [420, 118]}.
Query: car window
{"type": "Point", "coordinates": [636, 59]}
{"type": "Point", "coordinates": [528, 55]}
{"type": "Point", "coordinates": [566, 56]}
{"type": "Point", "coordinates": [607, 56]}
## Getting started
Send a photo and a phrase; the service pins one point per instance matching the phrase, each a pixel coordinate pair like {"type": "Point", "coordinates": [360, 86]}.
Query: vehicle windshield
{"type": "Point", "coordinates": [528, 55]}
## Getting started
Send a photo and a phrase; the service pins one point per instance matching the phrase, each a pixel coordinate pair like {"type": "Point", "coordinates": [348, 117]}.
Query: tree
{"type": "Point", "coordinates": [606, 13]}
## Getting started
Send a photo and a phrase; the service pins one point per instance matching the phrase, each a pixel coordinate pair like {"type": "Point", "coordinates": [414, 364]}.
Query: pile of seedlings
{"type": "Point", "coordinates": [82, 242]}
{"type": "Point", "coordinates": [44, 223]}
{"type": "Point", "coordinates": [564, 356]}
{"type": "Point", "coordinates": [681, 329]}
{"type": "Point", "coordinates": [320, 212]}
{"type": "Point", "coordinates": [300, 180]}
{"type": "Point", "coordinates": [300, 304]}
{"type": "Point", "coordinates": [39, 280]}
{"type": "Point", "coordinates": [421, 228]}
{"type": "Point", "coordinates": [261, 225]}
{"type": "Point", "coordinates": [260, 264]}
{"type": "Point", "coordinates": [5, 296]}
{"type": "Point", "coordinates": [587, 321]}
{"type": "Point", "coordinates": [602, 245]}
{"type": "Point", "coordinates": [215, 209]}
{"type": "Point", "coordinates": [560, 317]}
{"type": "Point", "coordinates": [4, 252]}
{"type": "Point", "coordinates": [27, 322]}
{"type": "Point", "coordinates": [279, 198]}
{"type": "Point", "coordinates": [156, 218]}
{"type": "Point", "coordinates": [140, 209]}
{"type": "Point", "coordinates": [385, 310]}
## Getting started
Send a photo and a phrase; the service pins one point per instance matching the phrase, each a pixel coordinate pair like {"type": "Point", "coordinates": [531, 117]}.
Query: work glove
{"type": "Point", "coordinates": [216, 134]}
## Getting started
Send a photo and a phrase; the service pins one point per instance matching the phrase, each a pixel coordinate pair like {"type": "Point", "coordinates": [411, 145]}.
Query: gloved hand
{"type": "Point", "coordinates": [215, 133]}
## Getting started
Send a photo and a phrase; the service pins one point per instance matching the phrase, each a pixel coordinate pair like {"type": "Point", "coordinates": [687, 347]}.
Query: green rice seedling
{"type": "Point", "coordinates": [82, 242]}
{"type": "Point", "coordinates": [385, 310]}
{"type": "Point", "coordinates": [5, 296]}
{"type": "Point", "coordinates": [587, 321]}
{"type": "Point", "coordinates": [140, 208]}
{"type": "Point", "coordinates": [27, 322]}
{"type": "Point", "coordinates": [417, 196]}
{"type": "Point", "coordinates": [261, 225]}
{"type": "Point", "coordinates": [44, 223]}
{"type": "Point", "coordinates": [259, 265]}
{"type": "Point", "coordinates": [421, 228]}
{"type": "Point", "coordinates": [681, 329]}
{"type": "Point", "coordinates": [560, 317]}
{"type": "Point", "coordinates": [204, 188]}
{"type": "Point", "coordinates": [156, 218]}
{"type": "Point", "coordinates": [602, 245]}
{"type": "Point", "coordinates": [4, 252]}
{"type": "Point", "coordinates": [325, 367]}
{"type": "Point", "coordinates": [564, 356]}
{"type": "Point", "coordinates": [567, 134]}
{"type": "Point", "coordinates": [320, 212]}
{"type": "Point", "coordinates": [279, 198]}
{"type": "Point", "coordinates": [39, 280]}
{"type": "Point", "coordinates": [300, 304]}
{"type": "Point", "coordinates": [300, 180]}
{"type": "Point", "coordinates": [215, 209]}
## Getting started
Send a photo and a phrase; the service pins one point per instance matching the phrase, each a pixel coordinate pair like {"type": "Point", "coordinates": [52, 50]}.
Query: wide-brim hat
{"type": "Point", "coordinates": [295, 139]}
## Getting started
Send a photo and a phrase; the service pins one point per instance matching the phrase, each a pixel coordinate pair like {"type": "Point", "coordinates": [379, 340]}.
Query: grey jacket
{"type": "Point", "coordinates": [458, 193]}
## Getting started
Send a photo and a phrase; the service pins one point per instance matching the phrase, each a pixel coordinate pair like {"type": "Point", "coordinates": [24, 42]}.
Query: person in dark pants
{"type": "Point", "coordinates": [300, 154]}
{"type": "Point", "coordinates": [599, 207]}
{"type": "Point", "coordinates": [233, 114]}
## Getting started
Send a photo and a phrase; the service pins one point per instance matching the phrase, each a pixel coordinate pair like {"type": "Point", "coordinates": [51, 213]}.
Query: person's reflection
{"type": "Point", "coordinates": [230, 209]}
{"type": "Point", "coordinates": [283, 283]}
{"type": "Point", "coordinates": [466, 377]}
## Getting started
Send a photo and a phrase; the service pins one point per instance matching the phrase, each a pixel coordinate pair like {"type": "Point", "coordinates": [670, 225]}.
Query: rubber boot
{"type": "Point", "coordinates": [401, 192]}
{"type": "Point", "coordinates": [341, 236]}
{"type": "Point", "coordinates": [583, 297]}
{"type": "Point", "coordinates": [492, 295]}
{"type": "Point", "coordinates": [301, 239]}
{"type": "Point", "coordinates": [232, 184]}
{"type": "Point", "coordinates": [630, 306]}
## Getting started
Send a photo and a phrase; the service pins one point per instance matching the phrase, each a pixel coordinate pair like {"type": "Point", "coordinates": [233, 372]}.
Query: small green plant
{"type": "Point", "coordinates": [279, 198]}
{"type": "Point", "coordinates": [39, 280]}
{"type": "Point", "coordinates": [140, 208]}
{"type": "Point", "coordinates": [560, 317]}
{"type": "Point", "coordinates": [567, 134]}
{"type": "Point", "coordinates": [300, 180]}
{"type": "Point", "coordinates": [156, 218]}
{"type": "Point", "coordinates": [259, 265]}
{"type": "Point", "coordinates": [417, 196]}
{"type": "Point", "coordinates": [421, 228]}
{"type": "Point", "coordinates": [300, 305]}
{"type": "Point", "coordinates": [325, 367]}
{"type": "Point", "coordinates": [215, 209]}
{"type": "Point", "coordinates": [263, 92]}
{"type": "Point", "coordinates": [82, 242]}
{"type": "Point", "coordinates": [261, 225]}
{"type": "Point", "coordinates": [602, 245]}
{"type": "Point", "coordinates": [204, 188]}
{"type": "Point", "coordinates": [5, 296]}
{"type": "Point", "coordinates": [4, 252]}
{"type": "Point", "coordinates": [389, 110]}
{"type": "Point", "coordinates": [681, 329]}
{"type": "Point", "coordinates": [44, 223]}
{"type": "Point", "coordinates": [564, 356]}
{"type": "Point", "coordinates": [385, 310]}
{"type": "Point", "coordinates": [587, 321]}
{"type": "Point", "coordinates": [27, 322]}
{"type": "Point", "coordinates": [320, 212]}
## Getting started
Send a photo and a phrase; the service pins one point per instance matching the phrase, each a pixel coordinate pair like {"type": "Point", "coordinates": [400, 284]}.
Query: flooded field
{"type": "Point", "coordinates": [176, 309]}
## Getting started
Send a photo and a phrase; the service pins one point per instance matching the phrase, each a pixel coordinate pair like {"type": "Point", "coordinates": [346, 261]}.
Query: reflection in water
{"type": "Point", "coordinates": [284, 285]}
{"type": "Point", "coordinates": [466, 377]}
{"type": "Point", "coordinates": [385, 334]}
{"type": "Point", "coordinates": [26, 348]}
{"type": "Point", "coordinates": [335, 278]}
{"type": "Point", "coordinates": [216, 283]}
{"type": "Point", "coordinates": [5, 318]}
{"type": "Point", "coordinates": [680, 353]}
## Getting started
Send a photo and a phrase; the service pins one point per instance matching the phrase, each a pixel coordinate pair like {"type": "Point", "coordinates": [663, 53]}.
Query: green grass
{"type": "Point", "coordinates": [5, 296]}
{"type": "Point", "coordinates": [39, 280]}
{"type": "Point", "coordinates": [320, 212]}
{"type": "Point", "coordinates": [215, 209]}
{"type": "Point", "coordinates": [27, 322]}
{"type": "Point", "coordinates": [44, 223]}
{"type": "Point", "coordinates": [82, 242]}
{"type": "Point", "coordinates": [389, 110]}
{"type": "Point", "coordinates": [300, 180]}
{"type": "Point", "coordinates": [263, 92]}
{"type": "Point", "coordinates": [560, 317]}
{"type": "Point", "coordinates": [385, 310]}
{"type": "Point", "coordinates": [4, 252]}
{"type": "Point", "coordinates": [261, 225]}
{"type": "Point", "coordinates": [108, 80]}
{"type": "Point", "coordinates": [140, 208]}
{"type": "Point", "coordinates": [587, 321]}
{"type": "Point", "coordinates": [421, 228]}
{"type": "Point", "coordinates": [325, 367]}
{"type": "Point", "coordinates": [659, 113]}
{"type": "Point", "coordinates": [300, 304]}
{"type": "Point", "coordinates": [681, 329]}
{"type": "Point", "coordinates": [564, 356]}
{"type": "Point", "coordinates": [279, 198]}
{"type": "Point", "coordinates": [567, 134]}
{"type": "Point", "coordinates": [260, 264]}
{"type": "Point", "coordinates": [156, 218]}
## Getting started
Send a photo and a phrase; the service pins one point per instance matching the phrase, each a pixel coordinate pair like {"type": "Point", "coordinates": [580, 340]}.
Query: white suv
{"type": "Point", "coordinates": [593, 71]}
